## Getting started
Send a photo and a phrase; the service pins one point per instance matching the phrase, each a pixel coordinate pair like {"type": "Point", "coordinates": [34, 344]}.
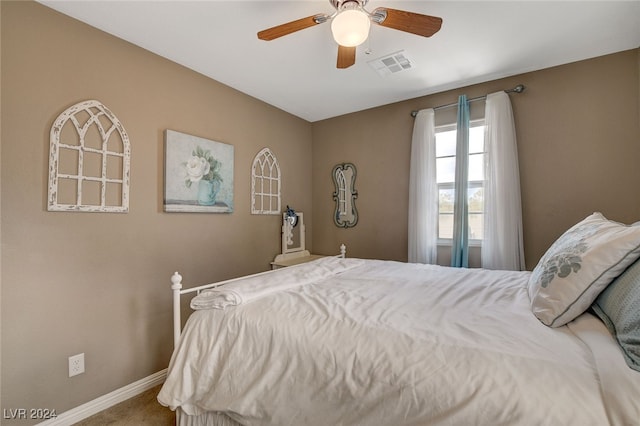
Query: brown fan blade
{"type": "Point", "coordinates": [415, 23]}
{"type": "Point", "coordinates": [291, 27]}
{"type": "Point", "coordinates": [346, 56]}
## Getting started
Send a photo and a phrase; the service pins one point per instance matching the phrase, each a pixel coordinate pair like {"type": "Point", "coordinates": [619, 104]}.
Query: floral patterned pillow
{"type": "Point", "coordinates": [579, 265]}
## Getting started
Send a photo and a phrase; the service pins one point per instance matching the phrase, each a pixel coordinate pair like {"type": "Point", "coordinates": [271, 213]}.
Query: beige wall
{"type": "Point", "coordinates": [578, 139]}
{"type": "Point", "coordinates": [99, 283]}
{"type": "Point", "coordinates": [0, 213]}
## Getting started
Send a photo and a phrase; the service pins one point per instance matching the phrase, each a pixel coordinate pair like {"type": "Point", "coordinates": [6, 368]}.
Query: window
{"type": "Point", "coordinates": [445, 175]}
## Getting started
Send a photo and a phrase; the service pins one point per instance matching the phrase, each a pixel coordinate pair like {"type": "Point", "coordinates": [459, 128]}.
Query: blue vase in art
{"type": "Point", "coordinates": [207, 191]}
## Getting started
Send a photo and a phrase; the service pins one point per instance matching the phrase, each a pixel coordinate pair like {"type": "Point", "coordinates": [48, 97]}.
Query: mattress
{"type": "Point", "coordinates": [391, 343]}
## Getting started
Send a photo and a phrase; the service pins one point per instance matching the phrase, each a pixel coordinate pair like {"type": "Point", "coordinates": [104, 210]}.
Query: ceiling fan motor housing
{"type": "Point", "coordinates": [377, 16]}
{"type": "Point", "coordinates": [338, 4]}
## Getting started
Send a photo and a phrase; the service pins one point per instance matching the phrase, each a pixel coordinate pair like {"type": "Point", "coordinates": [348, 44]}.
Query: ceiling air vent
{"type": "Point", "coordinates": [391, 64]}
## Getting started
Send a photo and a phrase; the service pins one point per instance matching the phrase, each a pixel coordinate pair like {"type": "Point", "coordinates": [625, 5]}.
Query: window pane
{"type": "Point", "coordinates": [445, 200]}
{"type": "Point", "coordinates": [445, 226]}
{"type": "Point", "coordinates": [445, 143]}
{"type": "Point", "coordinates": [475, 200]}
{"type": "Point", "coordinates": [476, 167]}
{"type": "Point", "coordinates": [445, 169]}
{"type": "Point", "coordinates": [476, 139]}
{"type": "Point", "coordinates": [445, 207]}
{"type": "Point", "coordinates": [476, 226]}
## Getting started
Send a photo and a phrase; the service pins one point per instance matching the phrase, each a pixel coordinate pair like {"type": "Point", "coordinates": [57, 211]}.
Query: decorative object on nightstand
{"type": "Point", "coordinates": [291, 217]}
{"type": "Point", "coordinates": [293, 243]}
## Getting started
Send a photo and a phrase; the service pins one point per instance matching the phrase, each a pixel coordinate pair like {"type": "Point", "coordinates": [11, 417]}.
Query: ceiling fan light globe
{"type": "Point", "coordinates": [350, 28]}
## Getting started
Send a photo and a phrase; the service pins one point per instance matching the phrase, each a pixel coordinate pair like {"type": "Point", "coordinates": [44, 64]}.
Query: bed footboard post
{"type": "Point", "coordinates": [176, 286]}
{"type": "Point", "coordinates": [343, 251]}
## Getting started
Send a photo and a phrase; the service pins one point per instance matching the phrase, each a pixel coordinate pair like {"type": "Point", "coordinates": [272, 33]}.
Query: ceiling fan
{"type": "Point", "coordinates": [350, 25]}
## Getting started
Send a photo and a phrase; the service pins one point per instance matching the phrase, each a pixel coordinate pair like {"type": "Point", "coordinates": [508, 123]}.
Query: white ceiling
{"type": "Point", "coordinates": [479, 41]}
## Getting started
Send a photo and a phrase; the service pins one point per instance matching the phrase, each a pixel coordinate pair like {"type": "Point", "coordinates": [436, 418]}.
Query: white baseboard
{"type": "Point", "coordinates": [109, 400]}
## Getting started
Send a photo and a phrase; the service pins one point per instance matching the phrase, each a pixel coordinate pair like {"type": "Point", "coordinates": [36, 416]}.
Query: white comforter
{"type": "Point", "coordinates": [389, 343]}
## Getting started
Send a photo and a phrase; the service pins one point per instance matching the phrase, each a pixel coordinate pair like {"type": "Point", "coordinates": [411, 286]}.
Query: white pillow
{"type": "Point", "coordinates": [579, 265]}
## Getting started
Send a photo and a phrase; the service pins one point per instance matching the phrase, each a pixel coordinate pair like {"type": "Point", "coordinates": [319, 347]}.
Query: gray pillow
{"type": "Point", "coordinates": [619, 308]}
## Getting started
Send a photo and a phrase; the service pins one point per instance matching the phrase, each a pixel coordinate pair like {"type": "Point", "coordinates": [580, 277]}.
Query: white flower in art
{"type": "Point", "coordinates": [197, 167]}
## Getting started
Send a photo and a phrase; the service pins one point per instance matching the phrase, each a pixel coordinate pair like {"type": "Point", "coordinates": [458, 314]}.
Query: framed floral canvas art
{"type": "Point", "coordinates": [198, 174]}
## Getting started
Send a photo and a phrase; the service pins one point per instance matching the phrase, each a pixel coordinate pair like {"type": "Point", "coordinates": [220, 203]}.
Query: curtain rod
{"type": "Point", "coordinates": [518, 89]}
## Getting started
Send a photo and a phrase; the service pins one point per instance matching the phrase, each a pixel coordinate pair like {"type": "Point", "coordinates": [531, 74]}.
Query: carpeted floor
{"type": "Point", "coordinates": [143, 409]}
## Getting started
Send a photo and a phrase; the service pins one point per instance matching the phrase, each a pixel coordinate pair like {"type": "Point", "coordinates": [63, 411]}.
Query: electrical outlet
{"type": "Point", "coordinates": [76, 365]}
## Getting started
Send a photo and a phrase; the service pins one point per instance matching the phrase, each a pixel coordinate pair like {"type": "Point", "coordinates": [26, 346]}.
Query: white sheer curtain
{"type": "Point", "coordinates": [502, 247]}
{"type": "Point", "coordinates": [423, 190]}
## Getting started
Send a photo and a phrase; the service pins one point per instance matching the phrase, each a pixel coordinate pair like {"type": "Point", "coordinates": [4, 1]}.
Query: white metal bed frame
{"type": "Point", "coordinates": [176, 287]}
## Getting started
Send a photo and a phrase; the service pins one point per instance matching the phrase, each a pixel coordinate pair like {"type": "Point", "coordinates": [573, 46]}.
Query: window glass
{"type": "Point", "coordinates": [476, 167]}
{"type": "Point", "coordinates": [446, 142]}
{"type": "Point", "coordinates": [476, 139]}
{"type": "Point", "coordinates": [446, 169]}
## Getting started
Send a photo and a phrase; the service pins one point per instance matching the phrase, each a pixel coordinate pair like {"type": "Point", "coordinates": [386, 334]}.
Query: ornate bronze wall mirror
{"type": "Point", "coordinates": [344, 178]}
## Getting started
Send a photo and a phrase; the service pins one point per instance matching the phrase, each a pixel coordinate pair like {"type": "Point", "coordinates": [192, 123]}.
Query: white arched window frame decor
{"type": "Point", "coordinates": [89, 159]}
{"type": "Point", "coordinates": [265, 183]}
